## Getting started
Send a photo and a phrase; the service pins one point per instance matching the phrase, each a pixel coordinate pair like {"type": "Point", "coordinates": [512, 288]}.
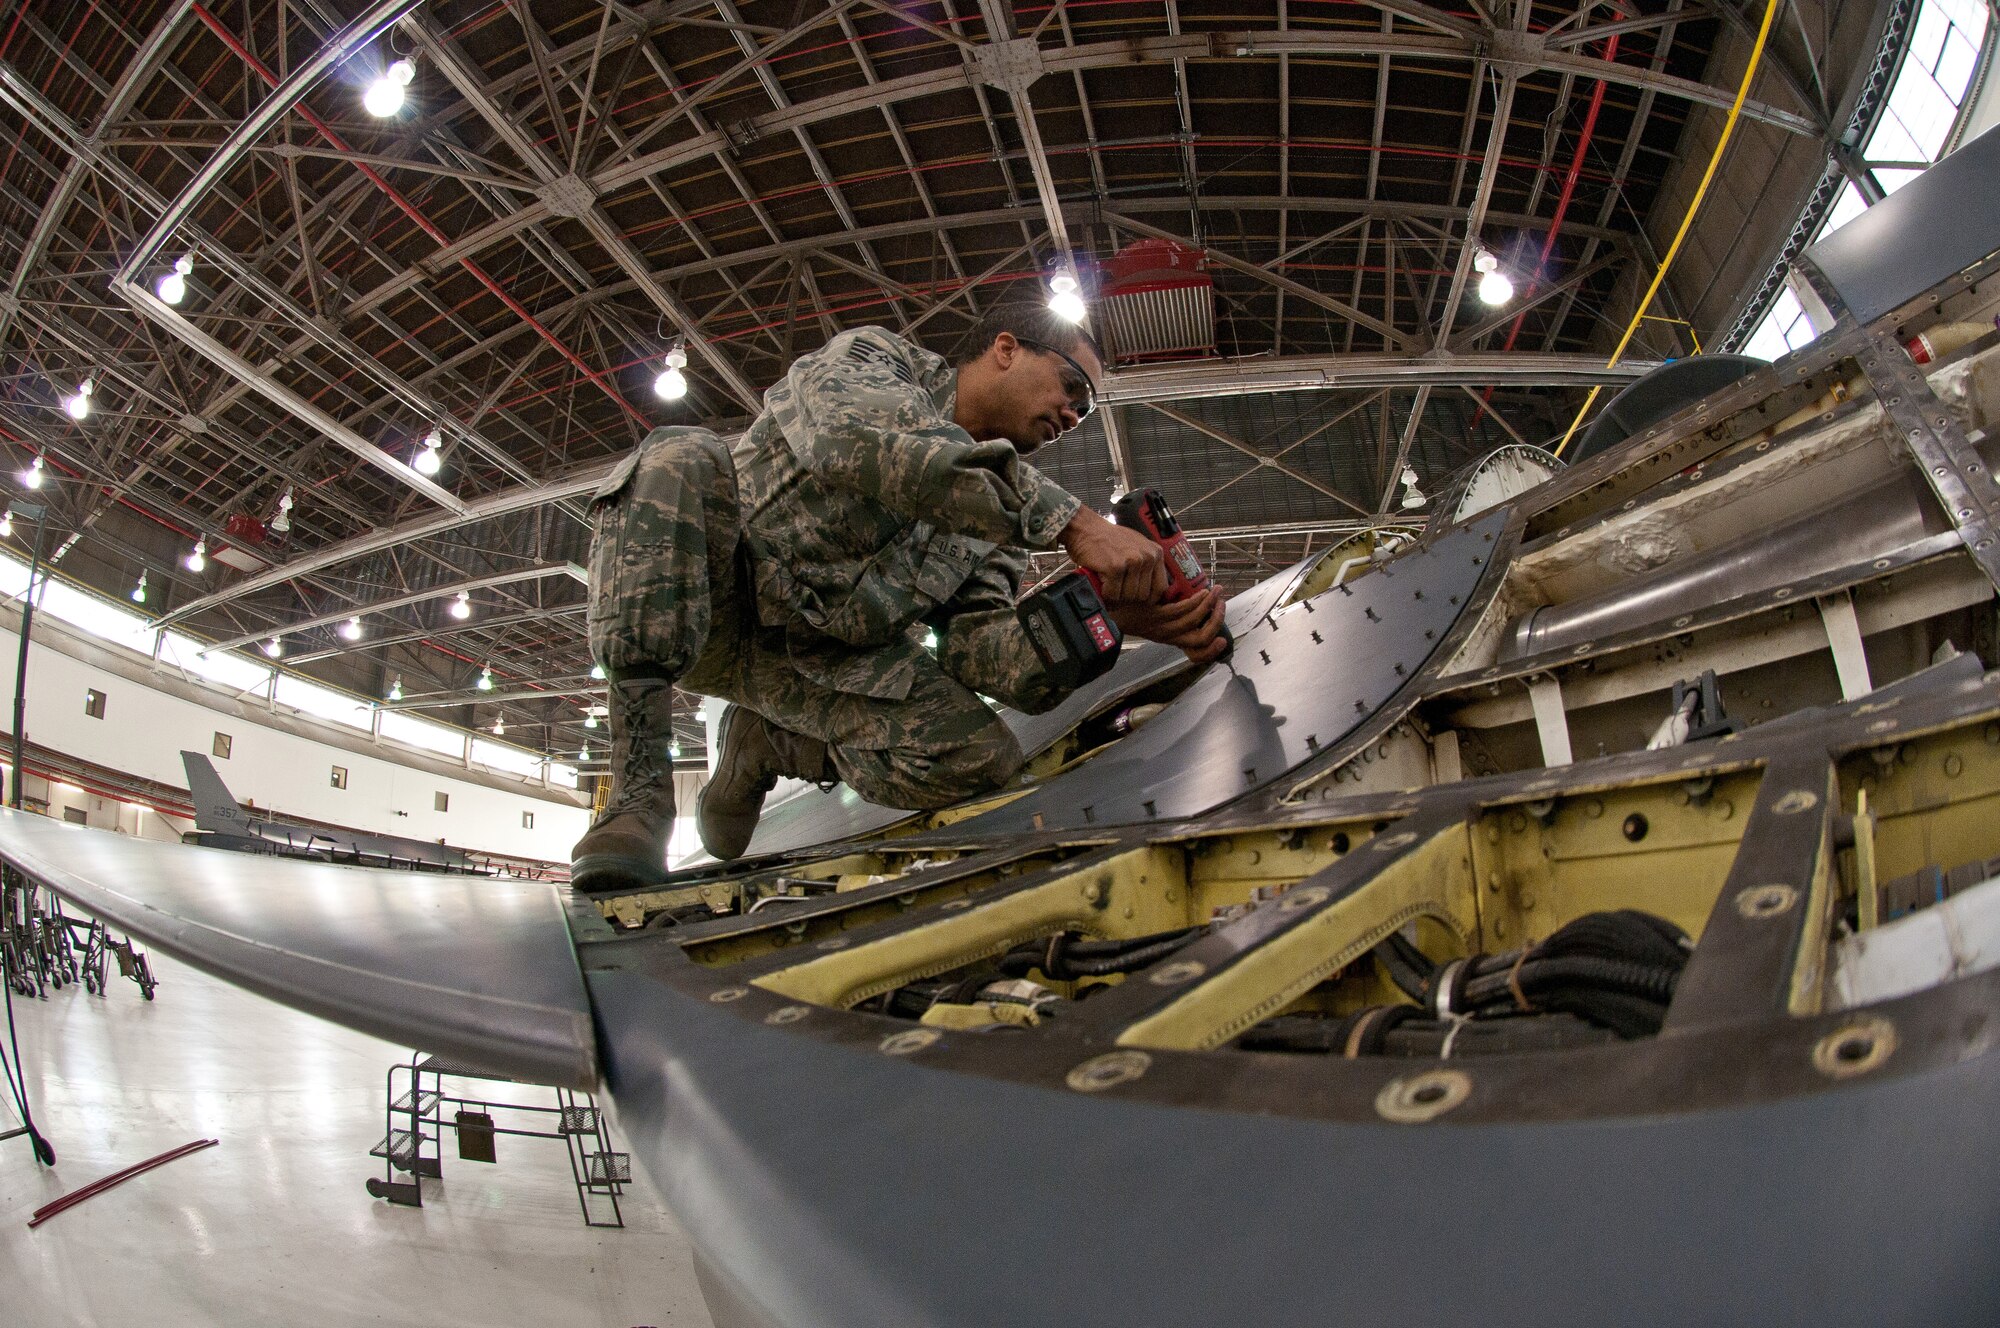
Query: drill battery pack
{"type": "Point", "coordinates": [1067, 624]}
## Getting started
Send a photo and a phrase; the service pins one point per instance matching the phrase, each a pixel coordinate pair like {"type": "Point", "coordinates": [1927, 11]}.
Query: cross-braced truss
{"type": "Point", "coordinates": [572, 189]}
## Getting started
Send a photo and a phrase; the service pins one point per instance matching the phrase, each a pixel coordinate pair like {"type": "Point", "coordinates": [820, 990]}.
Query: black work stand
{"type": "Point", "coordinates": [416, 1119]}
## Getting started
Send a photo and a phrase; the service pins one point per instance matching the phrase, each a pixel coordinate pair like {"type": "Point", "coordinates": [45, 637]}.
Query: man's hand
{"type": "Point", "coordinates": [1194, 624]}
{"type": "Point", "coordinates": [1130, 568]}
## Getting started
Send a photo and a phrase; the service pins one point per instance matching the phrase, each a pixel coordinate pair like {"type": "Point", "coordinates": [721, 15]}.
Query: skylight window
{"type": "Point", "coordinates": [221, 666]}
{"type": "Point", "coordinates": [1916, 123]}
{"type": "Point", "coordinates": [310, 698]}
{"type": "Point", "coordinates": [422, 733]}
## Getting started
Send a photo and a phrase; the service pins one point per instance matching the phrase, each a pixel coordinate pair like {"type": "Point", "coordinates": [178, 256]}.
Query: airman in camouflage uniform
{"type": "Point", "coordinates": [787, 575]}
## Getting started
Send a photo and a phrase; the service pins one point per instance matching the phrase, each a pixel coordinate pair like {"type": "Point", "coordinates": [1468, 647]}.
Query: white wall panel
{"type": "Point", "coordinates": [275, 761]}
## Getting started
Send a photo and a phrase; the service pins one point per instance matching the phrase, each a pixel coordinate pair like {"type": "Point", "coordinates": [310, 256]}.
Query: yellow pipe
{"type": "Point", "coordinates": [1694, 206]}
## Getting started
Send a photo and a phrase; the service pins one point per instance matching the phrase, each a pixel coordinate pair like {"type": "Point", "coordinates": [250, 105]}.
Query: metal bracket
{"type": "Point", "coordinates": [1951, 465]}
{"type": "Point", "coordinates": [1551, 722]}
{"type": "Point", "coordinates": [1011, 66]}
{"type": "Point", "coordinates": [1843, 634]}
{"type": "Point", "coordinates": [567, 196]}
{"type": "Point", "coordinates": [1516, 53]}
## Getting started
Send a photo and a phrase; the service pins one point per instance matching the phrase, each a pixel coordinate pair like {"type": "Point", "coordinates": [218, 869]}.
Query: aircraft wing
{"type": "Point", "coordinates": [477, 969]}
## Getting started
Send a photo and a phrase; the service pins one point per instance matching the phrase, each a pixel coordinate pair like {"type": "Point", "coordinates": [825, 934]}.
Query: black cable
{"type": "Point", "coordinates": [1408, 967]}
{"type": "Point", "coordinates": [44, 1151]}
{"type": "Point", "coordinates": [1656, 984]}
{"type": "Point", "coordinates": [1065, 956]}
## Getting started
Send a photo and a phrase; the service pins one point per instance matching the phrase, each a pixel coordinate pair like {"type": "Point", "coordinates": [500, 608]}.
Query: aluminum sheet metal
{"type": "Point", "coordinates": [814, 817]}
{"type": "Point", "coordinates": [1299, 681]}
{"type": "Point", "coordinates": [1938, 224]}
{"type": "Point", "coordinates": [478, 969]}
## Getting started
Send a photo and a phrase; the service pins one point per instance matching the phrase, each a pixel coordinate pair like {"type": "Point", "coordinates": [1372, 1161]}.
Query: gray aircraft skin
{"type": "Point", "coordinates": [223, 822]}
{"type": "Point", "coordinates": [1451, 747]}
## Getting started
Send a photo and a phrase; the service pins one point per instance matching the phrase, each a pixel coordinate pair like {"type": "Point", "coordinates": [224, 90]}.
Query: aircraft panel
{"type": "Point", "coordinates": [478, 969]}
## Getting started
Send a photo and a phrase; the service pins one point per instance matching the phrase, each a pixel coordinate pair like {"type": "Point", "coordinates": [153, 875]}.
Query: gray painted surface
{"type": "Point", "coordinates": [1934, 226]}
{"type": "Point", "coordinates": [815, 817]}
{"type": "Point", "coordinates": [843, 1188]}
{"type": "Point", "coordinates": [478, 969]}
{"type": "Point", "coordinates": [1298, 682]}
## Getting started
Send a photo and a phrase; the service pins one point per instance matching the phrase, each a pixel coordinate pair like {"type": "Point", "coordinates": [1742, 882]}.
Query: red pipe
{"type": "Point", "coordinates": [1569, 184]}
{"type": "Point", "coordinates": [1562, 210]}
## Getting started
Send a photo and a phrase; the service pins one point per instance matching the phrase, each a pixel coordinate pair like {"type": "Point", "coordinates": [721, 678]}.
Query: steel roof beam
{"type": "Point", "coordinates": [1197, 379]}
{"type": "Point", "coordinates": [828, 184]}
{"type": "Point", "coordinates": [1075, 213]}
{"type": "Point", "coordinates": [568, 194]}
{"type": "Point", "coordinates": [443, 590]}
{"type": "Point", "coordinates": [1258, 460]}
{"type": "Point", "coordinates": [1641, 114]}
{"type": "Point", "coordinates": [480, 509]}
{"type": "Point", "coordinates": [1201, 47]}
{"type": "Point", "coordinates": [543, 618]}
{"type": "Point", "coordinates": [1284, 283]}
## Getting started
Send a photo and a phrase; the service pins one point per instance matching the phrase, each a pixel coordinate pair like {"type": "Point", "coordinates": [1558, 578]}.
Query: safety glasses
{"type": "Point", "coordinates": [1082, 396]}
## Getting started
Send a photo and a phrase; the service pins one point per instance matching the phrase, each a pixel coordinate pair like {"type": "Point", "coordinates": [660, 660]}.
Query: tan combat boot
{"type": "Point", "coordinates": [754, 755]}
{"type": "Point", "coordinates": [626, 846]}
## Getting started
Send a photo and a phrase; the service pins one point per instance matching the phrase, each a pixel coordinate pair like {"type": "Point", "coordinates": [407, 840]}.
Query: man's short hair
{"type": "Point", "coordinates": [1028, 321]}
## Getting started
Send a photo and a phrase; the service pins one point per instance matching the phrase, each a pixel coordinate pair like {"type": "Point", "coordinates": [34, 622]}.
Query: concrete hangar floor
{"type": "Point", "coordinates": [273, 1226]}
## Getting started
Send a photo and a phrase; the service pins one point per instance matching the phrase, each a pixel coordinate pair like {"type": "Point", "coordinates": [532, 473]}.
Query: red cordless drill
{"type": "Point", "coordinates": [1145, 511]}
{"type": "Point", "coordinates": [1066, 620]}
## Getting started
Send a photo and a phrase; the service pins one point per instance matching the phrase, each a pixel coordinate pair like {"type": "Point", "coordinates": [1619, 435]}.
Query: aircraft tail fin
{"type": "Point", "coordinates": [215, 808]}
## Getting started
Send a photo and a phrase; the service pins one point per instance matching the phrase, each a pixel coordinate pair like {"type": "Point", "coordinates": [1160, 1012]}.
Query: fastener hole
{"type": "Point", "coordinates": [1428, 1094]}
{"type": "Point", "coordinates": [1635, 827]}
{"type": "Point", "coordinates": [1854, 1049]}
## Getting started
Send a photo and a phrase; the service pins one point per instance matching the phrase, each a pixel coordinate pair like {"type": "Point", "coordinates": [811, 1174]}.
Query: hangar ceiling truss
{"type": "Point", "coordinates": [572, 189]}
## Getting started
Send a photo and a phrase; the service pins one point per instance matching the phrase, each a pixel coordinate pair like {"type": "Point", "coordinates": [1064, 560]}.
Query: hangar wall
{"type": "Point", "coordinates": [279, 759]}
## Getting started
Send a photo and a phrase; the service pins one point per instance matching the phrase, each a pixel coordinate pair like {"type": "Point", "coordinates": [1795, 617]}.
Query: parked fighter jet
{"type": "Point", "coordinates": [223, 822]}
{"type": "Point", "coordinates": [1585, 911]}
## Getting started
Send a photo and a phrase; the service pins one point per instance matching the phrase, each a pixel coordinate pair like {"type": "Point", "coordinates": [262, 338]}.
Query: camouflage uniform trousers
{"type": "Point", "coordinates": [670, 598]}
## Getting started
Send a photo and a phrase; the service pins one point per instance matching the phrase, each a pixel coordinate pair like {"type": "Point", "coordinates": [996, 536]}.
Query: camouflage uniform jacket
{"type": "Point", "coordinates": [866, 510]}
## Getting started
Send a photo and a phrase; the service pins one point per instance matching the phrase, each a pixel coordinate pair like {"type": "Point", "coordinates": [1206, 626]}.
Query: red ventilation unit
{"type": "Point", "coordinates": [1155, 300]}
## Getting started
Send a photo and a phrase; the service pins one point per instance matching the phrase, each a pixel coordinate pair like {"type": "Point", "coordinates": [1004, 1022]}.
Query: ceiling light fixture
{"type": "Point", "coordinates": [590, 719]}
{"type": "Point", "coordinates": [37, 470]}
{"type": "Point", "coordinates": [386, 94]}
{"type": "Point", "coordinates": [429, 461]}
{"type": "Point", "coordinates": [1064, 299]}
{"type": "Point", "coordinates": [1413, 497]}
{"type": "Point", "coordinates": [461, 608]}
{"type": "Point", "coordinates": [672, 384]}
{"type": "Point", "coordinates": [351, 629]}
{"type": "Point", "coordinates": [198, 556]}
{"type": "Point", "coordinates": [1494, 285]}
{"type": "Point", "coordinates": [486, 679]}
{"type": "Point", "coordinates": [597, 672]}
{"type": "Point", "coordinates": [396, 688]}
{"type": "Point", "coordinates": [674, 749]}
{"type": "Point", "coordinates": [584, 755]}
{"type": "Point", "coordinates": [282, 522]}
{"type": "Point", "coordinates": [274, 648]}
{"type": "Point", "coordinates": [499, 728]}
{"type": "Point", "coordinates": [7, 531]}
{"type": "Point", "coordinates": [173, 286]}
{"type": "Point", "coordinates": [77, 404]}
{"type": "Point", "coordinates": [138, 591]}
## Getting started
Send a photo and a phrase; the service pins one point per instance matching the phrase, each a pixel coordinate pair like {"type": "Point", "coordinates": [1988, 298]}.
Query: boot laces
{"type": "Point", "coordinates": [641, 769]}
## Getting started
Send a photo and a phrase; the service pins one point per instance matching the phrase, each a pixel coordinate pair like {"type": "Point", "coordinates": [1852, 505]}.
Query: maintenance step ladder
{"type": "Point", "coordinates": [416, 1120]}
